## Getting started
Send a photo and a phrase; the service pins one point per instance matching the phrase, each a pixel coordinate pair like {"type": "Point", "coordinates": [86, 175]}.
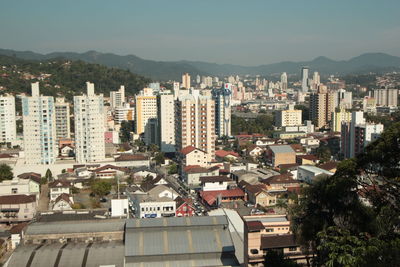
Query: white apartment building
{"type": "Point", "coordinates": [166, 122]}
{"type": "Point", "coordinates": [117, 98]}
{"type": "Point", "coordinates": [284, 82]}
{"type": "Point", "coordinates": [289, 117]}
{"type": "Point", "coordinates": [344, 99]}
{"type": "Point", "coordinates": [222, 98]}
{"type": "Point", "coordinates": [124, 113]}
{"type": "Point", "coordinates": [62, 118]}
{"type": "Point", "coordinates": [195, 123]}
{"type": "Point", "coordinates": [39, 122]}
{"type": "Point", "coordinates": [7, 119]}
{"type": "Point", "coordinates": [386, 97]}
{"type": "Point", "coordinates": [145, 109]}
{"type": "Point", "coordinates": [89, 126]}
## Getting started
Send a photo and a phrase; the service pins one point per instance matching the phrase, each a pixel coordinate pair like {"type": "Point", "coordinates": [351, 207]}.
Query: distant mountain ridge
{"type": "Point", "coordinates": [172, 70]}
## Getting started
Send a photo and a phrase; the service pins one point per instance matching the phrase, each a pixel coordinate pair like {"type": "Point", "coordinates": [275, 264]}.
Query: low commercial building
{"type": "Point", "coordinates": [281, 154]}
{"type": "Point", "coordinates": [179, 242]}
{"type": "Point", "coordinates": [308, 173]}
{"type": "Point", "coordinates": [129, 160]}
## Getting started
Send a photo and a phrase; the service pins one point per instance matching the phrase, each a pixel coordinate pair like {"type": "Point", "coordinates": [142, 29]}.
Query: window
{"type": "Point", "coordinates": [14, 190]}
{"type": "Point", "coordinates": [292, 248]}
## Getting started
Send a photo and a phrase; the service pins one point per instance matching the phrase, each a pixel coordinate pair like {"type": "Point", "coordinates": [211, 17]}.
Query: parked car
{"type": "Point", "coordinates": [248, 204]}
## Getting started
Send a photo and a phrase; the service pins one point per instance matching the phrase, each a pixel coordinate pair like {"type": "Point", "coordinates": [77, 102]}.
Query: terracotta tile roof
{"type": "Point", "coordinates": [199, 169]}
{"type": "Point", "coordinates": [64, 197]}
{"type": "Point", "coordinates": [17, 199]}
{"type": "Point", "coordinates": [5, 156]}
{"type": "Point", "coordinates": [297, 147]}
{"type": "Point", "coordinates": [129, 157]}
{"type": "Point", "coordinates": [18, 228]}
{"type": "Point", "coordinates": [211, 196]}
{"type": "Point", "coordinates": [329, 165]}
{"type": "Point", "coordinates": [180, 201]}
{"type": "Point", "coordinates": [187, 150]}
{"type": "Point", "coordinates": [256, 188]}
{"type": "Point", "coordinates": [255, 226]}
{"type": "Point", "coordinates": [109, 166]}
{"type": "Point", "coordinates": [288, 166]}
{"type": "Point", "coordinates": [224, 153]}
{"type": "Point", "coordinates": [308, 157]}
{"type": "Point", "coordinates": [278, 241]}
{"type": "Point", "coordinates": [214, 179]}
{"type": "Point", "coordinates": [32, 176]}
{"type": "Point", "coordinates": [281, 179]}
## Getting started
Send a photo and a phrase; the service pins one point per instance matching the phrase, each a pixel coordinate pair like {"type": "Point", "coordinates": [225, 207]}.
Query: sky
{"type": "Point", "coordinates": [244, 32]}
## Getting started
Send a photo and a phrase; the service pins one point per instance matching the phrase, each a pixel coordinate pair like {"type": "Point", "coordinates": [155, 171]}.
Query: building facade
{"type": "Point", "coordinates": [146, 109]}
{"type": "Point", "coordinates": [7, 119]}
{"type": "Point", "coordinates": [62, 119]}
{"type": "Point", "coordinates": [289, 117]}
{"type": "Point", "coordinates": [222, 98]}
{"type": "Point", "coordinates": [39, 122]}
{"type": "Point", "coordinates": [186, 80]}
{"type": "Point", "coordinates": [386, 97]}
{"type": "Point", "coordinates": [117, 98]}
{"type": "Point", "coordinates": [166, 122]}
{"type": "Point", "coordinates": [89, 126]}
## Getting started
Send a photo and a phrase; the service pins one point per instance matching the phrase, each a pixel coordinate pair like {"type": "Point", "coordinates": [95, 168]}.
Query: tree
{"type": "Point", "coordinates": [101, 187]}
{"type": "Point", "coordinates": [5, 172]}
{"type": "Point", "coordinates": [173, 168]}
{"type": "Point", "coordinates": [324, 153]}
{"type": "Point", "coordinates": [48, 175]}
{"type": "Point", "coordinates": [275, 258]}
{"type": "Point", "coordinates": [125, 131]}
{"type": "Point", "coordinates": [159, 158]}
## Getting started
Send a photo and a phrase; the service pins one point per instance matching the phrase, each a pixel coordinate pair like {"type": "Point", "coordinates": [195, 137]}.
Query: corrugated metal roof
{"type": "Point", "coordinates": [106, 225]}
{"type": "Point", "coordinates": [315, 169]}
{"type": "Point", "coordinates": [281, 149]}
{"type": "Point", "coordinates": [177, 236]}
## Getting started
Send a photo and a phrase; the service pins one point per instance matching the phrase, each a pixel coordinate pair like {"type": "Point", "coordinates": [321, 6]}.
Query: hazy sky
{"type": "Point", "coordinates": [247, 32]}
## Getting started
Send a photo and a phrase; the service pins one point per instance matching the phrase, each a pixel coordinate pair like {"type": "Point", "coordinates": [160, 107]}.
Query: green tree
{"type": "Point", "coordinates": [275, 258]}
{"type": "Point", "coordinates": [101, 187]}
{"type": "Point", "coordinates": [5, 172]}
{"type": "Point", "coordinates": [48, 175]}
{"type": "Point", "coordinates": [173, 168]}
{"type": "Point", "coordinates": [324, 153]}
{"type": "Point", "coordinates": [159, 158]}
{"type": "Point", "coordinates": [125, 131]}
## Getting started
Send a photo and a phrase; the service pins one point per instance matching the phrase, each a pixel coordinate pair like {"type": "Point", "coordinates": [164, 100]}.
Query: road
{"type": "Point", "coordinates": [44, 198]}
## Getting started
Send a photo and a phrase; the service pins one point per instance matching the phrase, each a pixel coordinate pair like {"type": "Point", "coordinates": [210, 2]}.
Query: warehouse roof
{"type": "Point", "coordinates": [281, 149]}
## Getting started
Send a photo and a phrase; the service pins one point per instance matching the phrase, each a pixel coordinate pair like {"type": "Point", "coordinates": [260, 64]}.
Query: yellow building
{"type": "Point", "coordinates": [338, 117]}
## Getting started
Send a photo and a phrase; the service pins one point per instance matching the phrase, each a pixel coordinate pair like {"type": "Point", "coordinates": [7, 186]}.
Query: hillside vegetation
{"type": "Point", "coordinates": [60, 77]}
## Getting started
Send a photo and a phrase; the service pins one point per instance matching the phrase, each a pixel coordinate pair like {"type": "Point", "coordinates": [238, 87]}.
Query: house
{"type": "Point", "coordinates": [157, 202]}
{"type": "Point", "coordinates": [110, 171]}
{"type": "Point", "coordinates": [308, 173]}
{"type": "Point", "coordinates": [330, 166]}
{"type": "Point", "coordinates": [67, 151]}
{"type": "Point", "coordinates": [211, 183]}
{"type": "Point", "coordinates": [282, 182]}
{"type": "Point", "coordinates": [214, 198]}
{"type": "Point", "coordinates": [143, 172]}
{"type": "Point", "coordinates": [17, 234]}
{"type": "Point", "coordinates": [59, 187]}
{"type": "Point", "coordinates": [129, 160]}
{"type": "Point", "coordinates": [307, 159]}
{"type": "Point", "coordinates": [226, 155]}
{"type": "Point", "coordinates": [258, 194]}
{"type": "Point", "coordinates": [37, 177]}
{"type": "Point", "coordinates": [83, 172]}
{"type": "Point", "coordinates": [19, 186]}
{"type": "Point", "coordinates": [63, 202]}
{"type": "Point", "coordinates": [254, 151]}
{"type": "Point", "coordinates": [184, 207]}
{"type": "Point", "coordinates": [151, 182]}
{"type": "Point", "coordinates": [17, 208]}
{"type": "Point", "coordinates": [280, 154]}
{"type": "Point", "coordinates": [191, 174]}
{"type": "Point", "coordinates": [298, 148]}
{"type": "Point", "coordinates": [264, 142]}
{"type": "Point", "coordinates": [194, 156]}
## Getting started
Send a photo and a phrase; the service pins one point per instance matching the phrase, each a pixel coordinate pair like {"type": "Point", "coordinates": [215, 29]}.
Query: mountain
{"type": "Point", "coordinates": [61, 77]}
{"type": "Point", "coordinates": [172, 70]}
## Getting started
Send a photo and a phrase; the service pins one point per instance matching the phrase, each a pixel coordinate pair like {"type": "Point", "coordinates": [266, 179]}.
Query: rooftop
{"type": "Point", "coordinates": [17, 199]}
{"type": "Point", "coordinates": [315, 169]}
{"type": "Point", "coordinates": [281, 149]}
{"type": "Point", "coordinates": [214, 179]}
{"type": "Point", "coordinates": [278, 241]}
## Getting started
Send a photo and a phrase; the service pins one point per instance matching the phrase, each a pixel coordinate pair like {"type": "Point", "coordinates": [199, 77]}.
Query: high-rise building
{"type": "Point", "coordinates": [386, 97]}
{"type": "Point", "coordinates": [198, 79]}
{"type": "Point", "coordinates": [304, 79]}
{"type": "Point", "coordinates": [223, 98]}
{"type": "Point", "coordinates": [39, 122]}
{"type": "Point", "coordinates": [344, 99]}
{"type": "Point", "coordinates": [339, 117]}
{"type": "Point", "coordinates": [63, 128]}
{"type": "Point", "coordinates": [124, 113]}
{"type": "Point", "coordinates": [117, 98]}
{"type": "Point", "coordinates": [146, 109]}
{"type": "Point", "coordinates": [195, 123]}
{"type": "Point", "coordinates": [89, 113]}
{"type": "Point", "coordinates": [186, 80]}
{"type": "Point", "coordinates": [316, 81]}
{"type": "Point", "coordinates": [289, 117]}
{"type": "Point", "coordinates": [166, 122]}
{"type": "Point", "coordinates": [8, 132]}
{"type": "Point", "coordinates": [284, 84]}
{"type": "Point", "coordinates": [357, 134]}
{"type": "Point", "coordinates": [322, 104]}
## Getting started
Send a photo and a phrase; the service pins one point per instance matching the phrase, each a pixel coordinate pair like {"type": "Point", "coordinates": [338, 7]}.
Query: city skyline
{"type": "Point", "coordinates": [225, 32]}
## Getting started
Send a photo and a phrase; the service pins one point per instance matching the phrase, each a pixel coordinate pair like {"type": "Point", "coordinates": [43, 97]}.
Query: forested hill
{"type": "Point", "coordinates": [60, 77]}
